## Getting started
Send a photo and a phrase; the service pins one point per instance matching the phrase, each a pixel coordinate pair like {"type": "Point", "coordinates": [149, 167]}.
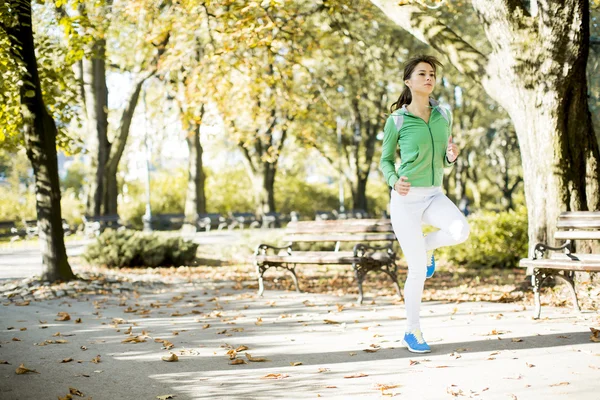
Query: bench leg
{"type": "Point", "coordinates": [359, 273]}
{"type": "Point", "coordinates": [536, 281]}
{"type": "Point", "coordinates": [292, 270]}
{"type": "Point", "coordinates": [569, 281]}
{"type": "Point", "coordinates": [392, 271]}
{"type": "Point", "coordinates": [260, 270]}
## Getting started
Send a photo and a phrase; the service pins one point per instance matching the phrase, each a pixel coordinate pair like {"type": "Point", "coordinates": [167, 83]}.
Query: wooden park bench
{"type": "Point", "coordinates": [95, 225]}
{"type": "Point", "coordinates": [571, 226]}
{"type": "Point", "coordinates": [239, 219]}
{"type": "Point", "coordinates": [31, 227]}
{"type": "Point", "coordinates": [167, 222]}
{"type": "Point", "coordinates": [210, 221]}
{"type": "Point", "coordinates": [363, 234]}
{"type": "Point", "coordinates": [9, 229]}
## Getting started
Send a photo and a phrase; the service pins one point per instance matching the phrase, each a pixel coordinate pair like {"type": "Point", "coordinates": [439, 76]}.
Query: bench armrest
{"type": "Point", "coordinates": [262, 248]}
{"type": "Point", "coordinates": [360, 249]}
{"type": "Point", "coordinates": [541, 248]}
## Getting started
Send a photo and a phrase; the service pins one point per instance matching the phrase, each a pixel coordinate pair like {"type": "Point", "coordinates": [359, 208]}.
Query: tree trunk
{"type": "Point", "coordinates": [195, 200]}
{"type": "Point", "coordinates": [359, 195]}
{"type": "Point", "coordinates": [95, 96]}
{"type": "Point", "coordinates": [40, 141]}
{"type": "Point", "coordinates": [536, 71]}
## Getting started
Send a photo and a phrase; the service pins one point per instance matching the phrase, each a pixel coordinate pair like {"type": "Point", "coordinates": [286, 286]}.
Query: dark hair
{"type": "Point", "coordinates": [409, 67]}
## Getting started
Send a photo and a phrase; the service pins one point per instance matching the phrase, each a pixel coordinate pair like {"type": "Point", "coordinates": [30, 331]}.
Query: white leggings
{"type": "Point", "coordinates": [427, 205]}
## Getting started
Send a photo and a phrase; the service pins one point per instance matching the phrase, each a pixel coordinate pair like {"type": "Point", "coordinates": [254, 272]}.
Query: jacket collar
{"type": "Point", "coordinates": [432, 102]}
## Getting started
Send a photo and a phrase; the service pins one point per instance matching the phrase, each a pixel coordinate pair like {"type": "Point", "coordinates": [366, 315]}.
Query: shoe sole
{"type": "Point", "coordinates": [413, 350]}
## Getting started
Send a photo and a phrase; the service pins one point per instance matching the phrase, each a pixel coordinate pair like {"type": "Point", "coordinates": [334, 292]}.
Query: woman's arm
{"type": "Point", "coordinates": [388, 152]}
{"type": "Point", "coordinates": [448, 163]}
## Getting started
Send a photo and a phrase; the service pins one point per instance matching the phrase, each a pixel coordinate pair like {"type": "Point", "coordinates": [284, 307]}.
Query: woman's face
{"type": "Point", "coordinates": [422, 79]}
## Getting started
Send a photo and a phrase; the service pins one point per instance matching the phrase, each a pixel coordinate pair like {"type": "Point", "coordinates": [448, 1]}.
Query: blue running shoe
{"type": "Point", "coordinates": [415, 343]}
{"type": "Point", "coordinates": [430, 267]}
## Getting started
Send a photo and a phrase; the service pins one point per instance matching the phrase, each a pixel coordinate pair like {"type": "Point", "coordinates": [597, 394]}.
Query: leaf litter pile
{"type": "Point", "coordinates": [449, 284]}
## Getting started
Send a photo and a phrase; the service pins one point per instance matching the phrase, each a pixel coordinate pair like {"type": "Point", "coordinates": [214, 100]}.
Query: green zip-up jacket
{"type": "Point", "coordinates": [422, 146]}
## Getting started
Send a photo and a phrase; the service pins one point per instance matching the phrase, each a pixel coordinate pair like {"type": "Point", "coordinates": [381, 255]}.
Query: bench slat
{"type": "Point", "coordinates": [332, 237]}
{"type": "Point", "coordinates": [588, 266]}
{"type": "Point", "coordinates": [580, 256]}
{"type": "Point", "coordinates": [579, 219]}
{"type": "Point", "coordinates": [577, 234]}
{"type": "Point", "coordinates": [359, 225]}
{"type": "Point", "coordinates": [320, 257]}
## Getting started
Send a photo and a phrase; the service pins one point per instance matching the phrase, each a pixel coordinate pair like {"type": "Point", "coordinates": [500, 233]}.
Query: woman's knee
{"type": "Point", "coordinates": [460, 230]}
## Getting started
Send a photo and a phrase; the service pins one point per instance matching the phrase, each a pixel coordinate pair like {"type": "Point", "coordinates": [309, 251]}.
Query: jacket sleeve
{"type": "Point", "coordinates": [448, 164]}
{"type": "Point", "coordinates": [388, 152]}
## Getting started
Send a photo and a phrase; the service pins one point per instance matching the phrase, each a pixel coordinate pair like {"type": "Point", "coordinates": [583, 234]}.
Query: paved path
{"type": "Point", "coordinates": [480, 350]}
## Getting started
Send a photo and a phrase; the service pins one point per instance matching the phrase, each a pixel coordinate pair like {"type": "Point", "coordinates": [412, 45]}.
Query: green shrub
{"type": "Point", "coordinates": [127, 248]}
{"type": "Point", "coordinates": [496, 240]}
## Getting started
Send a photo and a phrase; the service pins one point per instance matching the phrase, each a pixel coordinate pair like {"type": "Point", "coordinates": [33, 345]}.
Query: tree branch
{"type": "Point", "coordinates": [428, 29]}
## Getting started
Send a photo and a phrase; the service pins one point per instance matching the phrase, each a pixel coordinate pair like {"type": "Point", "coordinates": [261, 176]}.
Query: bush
{"type": "Point", "coordinates": [127, 248]}
{"type": "Point", "coordinates": [496, 240]}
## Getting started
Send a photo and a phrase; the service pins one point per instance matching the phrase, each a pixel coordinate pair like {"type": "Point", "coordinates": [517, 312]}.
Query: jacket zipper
{"type": "Point", "coordinates": [432, 144]}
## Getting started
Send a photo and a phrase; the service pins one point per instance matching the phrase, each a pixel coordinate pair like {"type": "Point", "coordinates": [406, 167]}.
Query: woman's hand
{"type": "Point", "coordinates": [402, 186]}
{"type": "Point", "coordinates": [451, 151]}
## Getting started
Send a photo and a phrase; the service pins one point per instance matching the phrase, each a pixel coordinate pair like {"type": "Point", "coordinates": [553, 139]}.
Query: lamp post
{"type": "Point", "coordinates": [147, 218]}
{"type": "Point", "coordinates": [339, 125]}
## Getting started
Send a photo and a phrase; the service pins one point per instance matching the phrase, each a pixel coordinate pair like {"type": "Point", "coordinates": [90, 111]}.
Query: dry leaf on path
{"type": "Point", "coordinates": [413, 362]}
{"type": "Point", "coordinates": [255, 359]}
{"type": "Point", "coordinates": [75, 392]}
{"type": "Point", "coordinates": [206, 326]}
{"type": "Point", "coordinates": [516, 340]}
{"type": "Point", "coordinates": [22, 370]}
{"type": "Point", "coordinates": [172, 358]}
{"type": "Point", "coordinates": [66, 360]}
{"type": "Point", "coordinates": [295, 364]}
{"type": "Point", "coordinates": [241, 348]}
{"type": "Point", "coordinates": [96, 360]}
{"type": "Point", "coordinates": [134, 339]}
{"type": "Point", "coordinates": [328, 321]}
{"type": "Point", "coordinates": [78, 321]}
{"type": "Point", "coordinates": [275, 376]}
{"type": "Point", "coordinates": [4, 362]}
{"type": "Point", "coordinates": [237, 361]}
{"type": "Point", "coordinates": [166, 397]}
{"type": "Point", "coordinates": [16, 339]}
{"type": "Point", "coordinates": [23, 303]}
{"type": "Point", "coordinates": [358, 375]}
{"type": "Point", "coordinates": [560, 384]}
{"type": "Point", "coordinates": [324, 370]}
{"type": "Point", "coordinates": [383, 387]}
{"type": "Point", "coordinates": [595, 336]}
{"type": "Point", "coordinates": [370, 350]}
{"type": "Point", "coordinates": [63, 316]}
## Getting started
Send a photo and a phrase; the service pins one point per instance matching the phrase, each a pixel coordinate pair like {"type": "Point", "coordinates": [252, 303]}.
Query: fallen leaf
{"type": "Point", "coordinates": [352, 354]}
{"type": "Point", "coordinates": [358, 375]}
{"type": "Point", "coordinates": [83, 348]}
{"type": "Point", "coordinates": [237, 361]}
{"type": "Point", "coordinates": [413, 362]}
{"type": "Point", "coordinates": [595, 336]}
{"type": "Point", "coordinates": [4, 362]}
{"type": "Point", "coordinates": [255, 359]}
{"type": "Point", "coordinates": [75, 392]}
{"type": "Point", "coordinates": [370, 350]}
{"type": "Point", "coordinates": [23, 303]}
{"type": "Point", "coordinates": [383, 387]}
{"type": "Point", "coordinates": [560, 384]}
{"type": "Point", "coordinates": [66, 360]}
{"type": "Point", "coordinates": [206, 326]}
{"type": "Point", "coordinates": [241, 348]}
{"type": "Point", "coordinates": [78, 321]}
{"type": "Point", "coordinates": [330, 387]}
{"type": "Point", "coordinates": [295, 364]}
{"type": "Point", "coordinates": [275, 376]}
{"type": "Point", "coordinates": [516, 340]}
{"type": "Point", "coordinates": [96, 360]}
{"type": "Point", "coordinates": [529, 365]}
{"type": "Point", "coordinates": [16, 339]}
{"type": "Point", "coordinates": [23, 329]}
{"type": "Point", "coordinates": [172, 358]}
{"type": "Point", "coordinates": [22, 370]}
{"type": "Point", "coordinates": [328, 321]}
{"type": "Point", "coordinates": [63, 316]}
{"type": "Point", "coordinates": [166, 397]}
{"type": "Point", "coordinates": [258, 321]}
{"type": "Point", "coordinates": [324, 370]}
{"type": "Point", "coordinates": [134, 339]}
